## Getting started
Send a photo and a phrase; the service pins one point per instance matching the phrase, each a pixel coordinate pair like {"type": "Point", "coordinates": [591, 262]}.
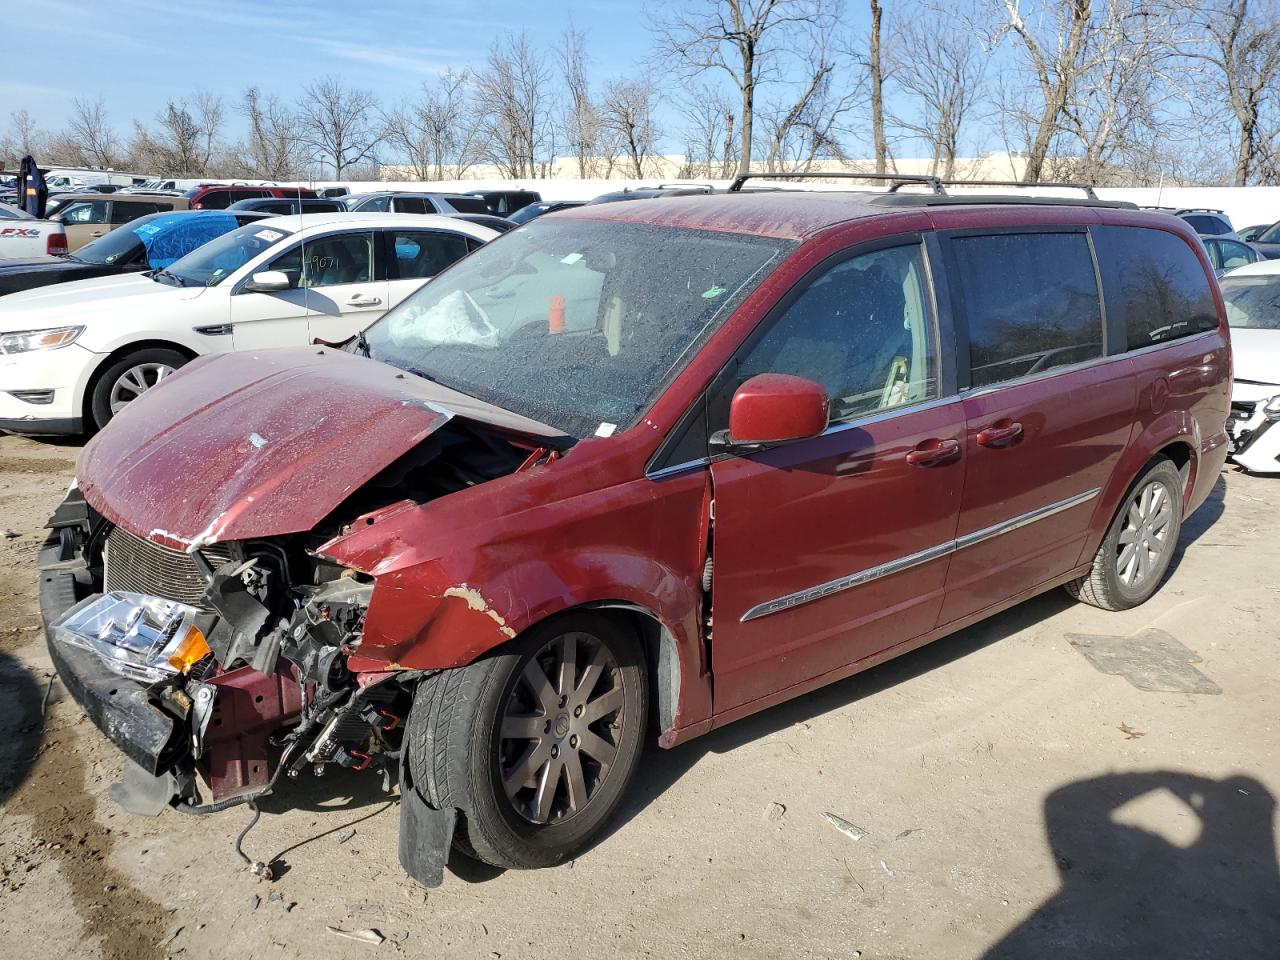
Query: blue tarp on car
{"type": "Point", "coordinates": [167, 239]}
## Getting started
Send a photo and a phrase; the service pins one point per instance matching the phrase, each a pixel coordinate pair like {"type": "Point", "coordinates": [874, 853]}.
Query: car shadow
{"type": "Point", "coordinates": [660, 769]}
{"type": "Point", "coordinates": [22, 701]}
{"type": "Point", "coordinates": [1128, 891]}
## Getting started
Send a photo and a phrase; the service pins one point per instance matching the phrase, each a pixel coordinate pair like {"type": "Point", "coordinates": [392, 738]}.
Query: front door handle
{"type": "Point", "coordinates": [931, 453]}
{"type": "Point", "coordinates": [1001, 434]}
{"type": "Point", "coordinates": [359, 300]}
{"type": "Point", "coordinates": [96, 233]}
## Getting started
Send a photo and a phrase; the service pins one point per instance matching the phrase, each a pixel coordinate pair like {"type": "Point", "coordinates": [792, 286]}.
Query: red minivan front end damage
{"type": "Point", "coordinates": [208, 587]}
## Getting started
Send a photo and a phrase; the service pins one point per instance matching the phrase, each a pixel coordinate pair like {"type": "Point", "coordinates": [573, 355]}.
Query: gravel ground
{"type": "Point", "coordinates": [1057, 781]}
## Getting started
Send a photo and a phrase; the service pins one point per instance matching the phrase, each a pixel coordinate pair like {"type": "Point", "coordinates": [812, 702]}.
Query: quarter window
{"type": "Point", "coordinates": [862, 330]}
{"type": "Point", "coordinates": [1030, 301]}
{"type": "Point", "coordinates": [1156, 288]}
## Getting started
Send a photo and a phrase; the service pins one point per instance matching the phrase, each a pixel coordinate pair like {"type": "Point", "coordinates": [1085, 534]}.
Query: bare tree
{"type": "Point", "coordinates": [810, 126]}
{"type": "Point", "coordinates": [272, 149]}
{"type": "Point", "coordinates": [627, 110]}
{"type": "Point", "coordinates": [711, 147]}
{"type": "Point", "coordinates": [581, 120]}
{"type": "Point", "coordinates": [1240, 39]}
{"type": "Point", "coordinates": [941, 71]}
{"type": "Point", "coordinates": [22, 139]}
{"type": "Point", "coordinates": [743, 39]}
{"type": "Point", "coordinates": [512, 97]}
{"type": "Point", "coordinates": [1055, 39]}
{"type": "Point", "coordinates": [876, 70]}
{"type": "Point", "coordinates": [339, 124]}
{"type": "Point", "coordinates": [89, 138]}
{"type": "Point", "coordinates": [185, 140]}
{"type": "Point", "coordinates": [436, 133]}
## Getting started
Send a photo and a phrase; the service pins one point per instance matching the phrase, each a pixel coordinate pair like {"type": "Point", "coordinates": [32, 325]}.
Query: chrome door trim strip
{"type": "Point", "coordinates": [915, 559]}
{"type": "Point", "coordinates": [1017, 523]}
{"type": "Point", "coordinates": [847, 583]}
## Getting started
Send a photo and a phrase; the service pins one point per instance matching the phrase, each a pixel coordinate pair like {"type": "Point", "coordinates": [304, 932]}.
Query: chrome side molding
{"type": "Point", "coordinates": [901, 564]}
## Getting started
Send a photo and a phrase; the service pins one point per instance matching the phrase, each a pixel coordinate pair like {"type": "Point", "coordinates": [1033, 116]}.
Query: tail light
{"type": "Point", "coordinates": [55, 244]}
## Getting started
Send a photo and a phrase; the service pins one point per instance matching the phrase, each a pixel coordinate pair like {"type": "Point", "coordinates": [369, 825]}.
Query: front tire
{"type": "Point", "coordinates": [536, 743]}
{"type": "Point", "coordinates": [1139, 545]}
{"type": "Point", "coordinates": [127, 378]}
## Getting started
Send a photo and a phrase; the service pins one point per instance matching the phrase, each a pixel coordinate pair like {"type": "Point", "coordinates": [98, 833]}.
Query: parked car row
{"type": "Point", "coordinates": [480, 545]}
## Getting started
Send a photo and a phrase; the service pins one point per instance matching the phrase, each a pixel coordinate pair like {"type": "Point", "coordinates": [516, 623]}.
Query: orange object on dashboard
{"type": "Point", "coordinates": [555, 314]}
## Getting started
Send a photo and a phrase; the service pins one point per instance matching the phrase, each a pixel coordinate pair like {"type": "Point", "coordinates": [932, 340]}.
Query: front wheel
{"type": "Point", "coordinates": [1139, 545]}
{"type": "Point", "coordinates": [536, 743]}
{"type": "Point", "coordinates": [128, 378]}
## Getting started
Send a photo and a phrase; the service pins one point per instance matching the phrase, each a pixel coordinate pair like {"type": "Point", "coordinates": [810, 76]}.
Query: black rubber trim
{"type": "Point", "coordinates": [119, 707]}
{"type": "Point", "coordinates": [55, 426]}
{"type": "Point", "coordinates": [1254, 437]}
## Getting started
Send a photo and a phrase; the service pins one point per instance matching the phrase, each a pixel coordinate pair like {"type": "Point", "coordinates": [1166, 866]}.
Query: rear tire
{"type": "Point", "coordinates": [534, 755]}
{"type": "Point", "coordinates": [1135, 554]}
{"type": "Point", "coordinates": [127, 378]}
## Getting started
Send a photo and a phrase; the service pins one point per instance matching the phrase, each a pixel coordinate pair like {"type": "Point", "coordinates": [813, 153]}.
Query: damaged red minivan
{"type": "Point", "coordinates": [633, 468]}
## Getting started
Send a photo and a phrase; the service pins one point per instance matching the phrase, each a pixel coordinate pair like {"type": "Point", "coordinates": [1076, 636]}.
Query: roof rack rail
{"type": "Point", "coordinates": [895, 180]}
{"type": "Point", "coordinates": [1064, 184]}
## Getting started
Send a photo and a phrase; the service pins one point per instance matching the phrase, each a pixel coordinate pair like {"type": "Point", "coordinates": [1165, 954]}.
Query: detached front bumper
{"type": "Point", "coordinates": [1254, 436]}
{"type": "Point", "coordinates": [121, 708]}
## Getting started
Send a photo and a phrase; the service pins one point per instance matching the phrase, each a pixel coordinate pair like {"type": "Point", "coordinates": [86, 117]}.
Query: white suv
{"type": "Point", "coordinates": [74, 354]}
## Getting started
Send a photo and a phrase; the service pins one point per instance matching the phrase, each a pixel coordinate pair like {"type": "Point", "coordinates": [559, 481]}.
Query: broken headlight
{"type": "Point", "coordinates": [137, 636]}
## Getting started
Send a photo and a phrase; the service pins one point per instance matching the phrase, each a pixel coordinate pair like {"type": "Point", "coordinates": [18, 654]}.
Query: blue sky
{"type": "Point", "coordinates": [138, 53]}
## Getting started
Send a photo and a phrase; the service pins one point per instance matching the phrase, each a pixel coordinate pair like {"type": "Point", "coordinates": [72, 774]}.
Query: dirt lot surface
{"type": "Point", "coordinates": [1058, 781]}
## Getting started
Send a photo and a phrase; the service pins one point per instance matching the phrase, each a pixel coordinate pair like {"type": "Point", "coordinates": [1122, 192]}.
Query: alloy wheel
{"type": "Point", "coordinates": [1144, 541]}
{"type": "Point", "coordinates": [560, 728]}
{"type": "Point", "coordinates": [136, 381]}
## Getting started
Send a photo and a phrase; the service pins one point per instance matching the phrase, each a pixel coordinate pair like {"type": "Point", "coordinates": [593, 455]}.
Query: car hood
{"type": "Point", "coordinates": [82, 300]}
{"type": "Point", "coordinates": [1255, 354]}
{"type": "Point", "coordinates": [243, 445]}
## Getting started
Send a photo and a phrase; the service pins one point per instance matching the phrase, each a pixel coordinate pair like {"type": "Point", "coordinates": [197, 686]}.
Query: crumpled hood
{"type": "Point", "coordinates": [1255, 354]}
{"type": "Point", "coordinates": [81, 301]}
{"type": "Point", "coordinates": [243, 445]}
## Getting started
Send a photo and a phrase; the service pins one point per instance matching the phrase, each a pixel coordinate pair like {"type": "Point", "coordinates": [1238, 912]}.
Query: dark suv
{"type": "Point", "coordinates": [837, 426]}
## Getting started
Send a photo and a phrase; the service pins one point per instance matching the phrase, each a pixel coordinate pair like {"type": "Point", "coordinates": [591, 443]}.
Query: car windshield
{"type": "Point", "coordinates": [1252, 302]}
{"type": "Point", "coordinates": [209, 265]}
{"type": "Point", "coordinates": [1270, 235]}
{"type": "Point", "coordinates": [575, 323]}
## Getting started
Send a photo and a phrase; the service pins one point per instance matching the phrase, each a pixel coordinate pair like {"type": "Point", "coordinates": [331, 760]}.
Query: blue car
{"type": "Point", "coordinates": [148, 243]}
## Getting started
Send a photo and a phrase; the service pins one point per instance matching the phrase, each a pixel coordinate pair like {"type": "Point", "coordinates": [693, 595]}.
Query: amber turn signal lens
{"type": "Point", "coordinates": [191, 649]}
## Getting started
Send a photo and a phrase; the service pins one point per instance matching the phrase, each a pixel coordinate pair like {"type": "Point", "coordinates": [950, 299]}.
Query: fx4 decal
{"type": "Point", "coordinates": [19, 232]}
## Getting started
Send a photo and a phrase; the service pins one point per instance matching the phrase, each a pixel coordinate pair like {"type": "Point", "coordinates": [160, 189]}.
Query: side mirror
{"type": "Point", "coordinates": [267, 281]}
{"type": "Point", "coordinates": [773, 408]}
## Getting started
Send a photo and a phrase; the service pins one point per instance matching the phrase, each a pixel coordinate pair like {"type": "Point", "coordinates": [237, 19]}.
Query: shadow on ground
{"type": "Point", "coordinates": [22, 720]}
{"type": "Point", "coordinates": [1129, 892]}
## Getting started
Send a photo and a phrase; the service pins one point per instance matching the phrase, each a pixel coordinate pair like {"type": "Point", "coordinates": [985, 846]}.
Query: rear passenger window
{"type": "Point", "coordinates": [1030, 301]}
{"type": "Point", "coordinates": [1156, 288]}
{"type": "Point", "coordinates": [424, 254]}
{"type": "Point", "coordinates": [1207, 225]}
{"type": "Point", "coordinates": [862, 330]}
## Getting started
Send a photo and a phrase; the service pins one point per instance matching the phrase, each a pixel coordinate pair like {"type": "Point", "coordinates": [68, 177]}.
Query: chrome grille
{"type": "Point", "coordinates": [131, 563]}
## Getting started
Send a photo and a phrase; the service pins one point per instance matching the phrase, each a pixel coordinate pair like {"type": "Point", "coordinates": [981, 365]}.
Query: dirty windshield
{"type": "Point", "coordinates": [576, 323]}
{"type": "Point", "coordinates": [209, 265]}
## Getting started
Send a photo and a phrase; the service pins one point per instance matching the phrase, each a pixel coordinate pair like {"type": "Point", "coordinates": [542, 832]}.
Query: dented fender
{"type": "Point", "coordinates": [457, 578]}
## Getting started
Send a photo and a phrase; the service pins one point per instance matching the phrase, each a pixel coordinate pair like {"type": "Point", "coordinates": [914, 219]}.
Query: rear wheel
{"type": "Point", "coordinates": [535, 744]}
{"type": "Point", "coordinates": [1136, 552]}
{"type": "Point", "coordinates": [128, 378]}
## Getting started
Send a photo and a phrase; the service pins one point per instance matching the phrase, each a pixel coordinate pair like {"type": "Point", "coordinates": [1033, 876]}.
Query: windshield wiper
{"type": "Point", "coordinates": [177, 280]}
{"type": "Point", "coordinates": [363, 344]}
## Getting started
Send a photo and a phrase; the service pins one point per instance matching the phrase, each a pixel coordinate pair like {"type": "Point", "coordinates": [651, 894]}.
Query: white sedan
{"type": "Point", "coordinates": [1252, 296]}
{"type": "Point", "coordinates": [73, 354]}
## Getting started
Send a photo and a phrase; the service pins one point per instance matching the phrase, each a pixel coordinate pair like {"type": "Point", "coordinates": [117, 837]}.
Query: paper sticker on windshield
{"type": "Point", "coordinates": [572, 259]}
{"type": "Point", "coordinates": [713, 293]}
{"type": "Point", "coordinates": [271, 236]}
{"type": "Point", "coordinates": [148, 229]}
{"type": "Point", "coordinates": [606, 429]}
